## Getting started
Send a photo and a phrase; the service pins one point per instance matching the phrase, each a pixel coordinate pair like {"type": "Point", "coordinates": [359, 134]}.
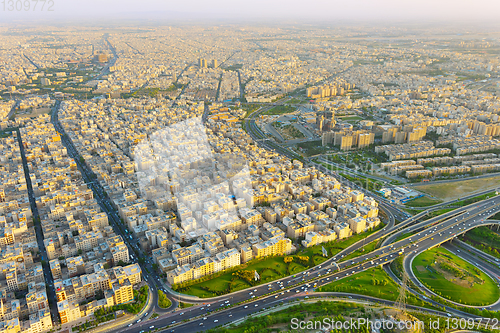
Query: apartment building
{"type": "Point", "coordinates": [275, 246]}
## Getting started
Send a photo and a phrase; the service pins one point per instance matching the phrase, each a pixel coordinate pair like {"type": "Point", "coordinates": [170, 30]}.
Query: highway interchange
{"type": "Point", "coordinates": [235, 306]}
{"type": "Point", "coordinates": [298, 285]}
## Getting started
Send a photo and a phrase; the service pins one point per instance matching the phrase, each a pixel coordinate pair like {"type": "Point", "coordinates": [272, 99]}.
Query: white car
{"type": "Point", "coordinates": [216, 320]}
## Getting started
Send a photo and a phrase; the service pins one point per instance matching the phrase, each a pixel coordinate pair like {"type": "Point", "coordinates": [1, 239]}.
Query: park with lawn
{"type": "Point", "coordinates": [268, 269]}
{"type": "Point", "coordinates": [454, 278]}
{"type": "Point", "coordinates": [242, 277]}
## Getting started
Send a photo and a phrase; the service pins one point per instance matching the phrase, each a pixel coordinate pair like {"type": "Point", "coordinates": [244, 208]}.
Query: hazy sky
{"type": "Point", "coordinates": [234, 10]}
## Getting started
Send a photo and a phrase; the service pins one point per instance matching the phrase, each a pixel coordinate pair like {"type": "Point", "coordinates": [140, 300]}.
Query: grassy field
{"type": "Point", "coordinates": [373, 282]}
{"type": "Point", "coordinates": [475, 199]}
{"type": "Point", "coordinates": [280, 109]}
{"type": "Point", "coordinates": [422, 202]}
{"type": "Point", "coordinates": [454, 279]}
{"type": "Point", "coordinates": [455, 190]}
{"type": "Point", "coordinates": [367, 249]}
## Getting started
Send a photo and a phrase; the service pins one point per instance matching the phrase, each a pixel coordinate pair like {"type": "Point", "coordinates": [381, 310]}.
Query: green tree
{"type": "Point", "coordinates": [163, 301]}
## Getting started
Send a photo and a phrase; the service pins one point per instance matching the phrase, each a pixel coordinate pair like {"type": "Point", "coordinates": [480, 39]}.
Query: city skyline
{"type": "Point", "coordinates": [270, 12]}
{"type": "Point", "coordinates": [191, 168]}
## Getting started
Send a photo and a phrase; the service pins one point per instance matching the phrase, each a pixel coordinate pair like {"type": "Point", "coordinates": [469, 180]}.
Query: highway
{"type": "Point", "coordinates": [442, 232]}
{"type": "Point", "coordinates": [298, 285]}
{"type": "Point", "coordinates": [270, 294]}
{"type": "Point", "coordinates": [431, 221]}
{"type": "Point", "coordinates": [451, 202]}
{"type": "Point", "coordinates": [484, 256]}
{"type": "Point", "coordinates": [491, 269]}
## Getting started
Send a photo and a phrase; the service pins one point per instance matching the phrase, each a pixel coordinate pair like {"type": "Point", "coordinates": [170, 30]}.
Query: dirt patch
{"type": "Point", "coordinates": [28, 113]}
{"type": "Point", "coordinates": [421, 269]}
{"type": "Point", "coordinates": [467, 280]}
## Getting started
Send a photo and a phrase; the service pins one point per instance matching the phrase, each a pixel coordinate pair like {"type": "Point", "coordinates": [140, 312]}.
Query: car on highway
{"type": "Point", "coordinates": [216, 320]}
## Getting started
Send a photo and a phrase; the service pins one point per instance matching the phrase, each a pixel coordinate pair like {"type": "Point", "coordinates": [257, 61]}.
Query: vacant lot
{"type": "Point", "coordinates": [455, 190]}
{"type": "Point", "coordinates": [422, 202]}
{"type": "Point", "coordinates": [32, 113]}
